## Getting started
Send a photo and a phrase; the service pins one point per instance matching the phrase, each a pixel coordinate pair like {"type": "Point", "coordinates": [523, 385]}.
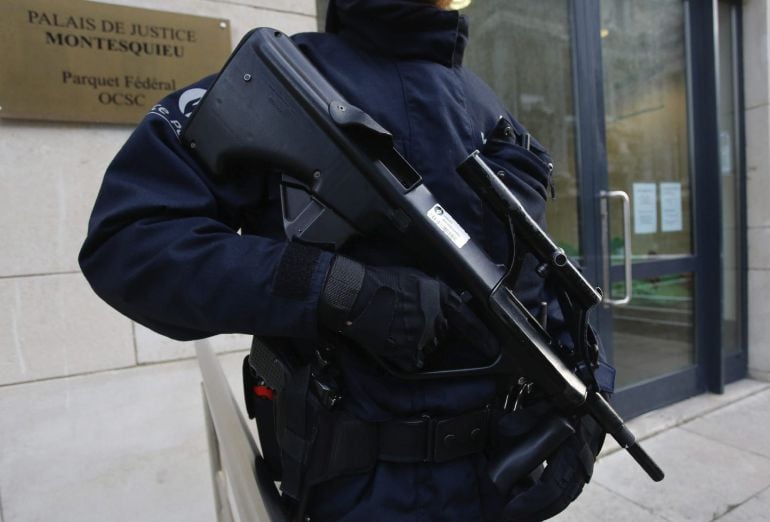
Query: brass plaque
{"type": "Point", "coordinates": [72, 60]}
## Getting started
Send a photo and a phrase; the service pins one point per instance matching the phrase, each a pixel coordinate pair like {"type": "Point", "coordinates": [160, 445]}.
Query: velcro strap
{"type": "Point", "coordinates": [269, 365]}
{"type": "Point", "coordinates": [294, 273]}
{"type": "Point", "coordinates": [343, 283]}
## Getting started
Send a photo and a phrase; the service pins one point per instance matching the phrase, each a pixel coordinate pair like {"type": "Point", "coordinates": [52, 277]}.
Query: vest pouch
{"type": "Point", "coordinates": [296, 430]}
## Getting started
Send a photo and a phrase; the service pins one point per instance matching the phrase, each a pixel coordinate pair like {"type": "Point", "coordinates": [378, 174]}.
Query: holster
{"type": "Point", "coordinates": [277, 395]}
{"type": "Point", "coordinates": [259, 400]}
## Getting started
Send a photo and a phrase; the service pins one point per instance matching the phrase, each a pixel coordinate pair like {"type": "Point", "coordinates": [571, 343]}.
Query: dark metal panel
{"type": "Point", "coordinates": [736, 367]}
{"type": "Point", "coordinates": [703, 59]}
{"type": "Point", "coordinates": [743, 309]}
{"type": "Point", "coordinates": [658, 392]}
{"type": "Point", "coordinates": [591, 145]}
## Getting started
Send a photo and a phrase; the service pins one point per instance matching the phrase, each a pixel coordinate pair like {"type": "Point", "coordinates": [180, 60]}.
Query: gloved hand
{"type": "Point", "coordinates": [568, 470]}
{"type": "Point", "coordinates": [399, 314]}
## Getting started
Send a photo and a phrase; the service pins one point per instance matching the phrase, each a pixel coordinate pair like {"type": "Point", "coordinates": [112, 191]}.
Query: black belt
{"type": "Point", "coordinates": [350, 445]}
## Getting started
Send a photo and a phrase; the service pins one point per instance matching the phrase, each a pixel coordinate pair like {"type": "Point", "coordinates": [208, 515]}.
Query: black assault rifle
{"type": "Point", "coordinates": [342, 177]}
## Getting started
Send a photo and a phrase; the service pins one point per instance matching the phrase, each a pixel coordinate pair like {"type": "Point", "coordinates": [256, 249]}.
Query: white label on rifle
{"type": "Point", "coordinates": [448, 225]}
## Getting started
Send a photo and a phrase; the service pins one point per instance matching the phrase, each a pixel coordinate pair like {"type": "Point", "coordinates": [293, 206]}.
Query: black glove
{"type": "Point", "coordinates": [568, 470]}
{"type": "Point", "coordinates": [399, 314]}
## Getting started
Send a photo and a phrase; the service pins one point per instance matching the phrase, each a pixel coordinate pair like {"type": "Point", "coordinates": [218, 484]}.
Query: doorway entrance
{"type": "Point", "coordinates": [646, 199]}
{"type": "Point", "coordinates": [614, 91]}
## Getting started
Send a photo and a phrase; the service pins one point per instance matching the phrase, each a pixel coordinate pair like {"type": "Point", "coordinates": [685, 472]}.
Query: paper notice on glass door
{"type": "Point", "coordinates": [645, 207]}
{"type": "Point", "coordinates": [671, 207]}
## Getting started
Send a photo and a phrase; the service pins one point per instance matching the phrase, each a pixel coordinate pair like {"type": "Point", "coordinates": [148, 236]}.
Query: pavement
{"type": "Point", "coordinates": [715, 451]}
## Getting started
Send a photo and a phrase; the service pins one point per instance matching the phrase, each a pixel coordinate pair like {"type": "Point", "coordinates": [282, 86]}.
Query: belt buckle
{"type": "Point", "coordinates": [458, 436]}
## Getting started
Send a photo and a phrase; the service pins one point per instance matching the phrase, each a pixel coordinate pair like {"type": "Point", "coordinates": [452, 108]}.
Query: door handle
{"type": "Point", "coordinates": [605, 196]}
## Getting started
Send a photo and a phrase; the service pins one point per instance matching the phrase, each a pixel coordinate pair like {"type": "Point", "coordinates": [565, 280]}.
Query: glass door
{"type": "Point", "coordinates": [604, 85]}
{"type": "Point", "coordinates": [523, 49]}
{"type": "Point", "coordinates": [646, 248]}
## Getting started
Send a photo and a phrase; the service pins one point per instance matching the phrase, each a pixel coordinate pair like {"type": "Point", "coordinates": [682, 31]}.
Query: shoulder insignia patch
{"type": "Point", "coordinates": [189, 100]}
{"type": "Point", "coordinates": [178, 107]}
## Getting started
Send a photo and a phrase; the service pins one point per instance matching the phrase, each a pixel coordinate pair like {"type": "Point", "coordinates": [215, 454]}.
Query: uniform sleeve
{"type": "Point", "coordinates": [164, 247]}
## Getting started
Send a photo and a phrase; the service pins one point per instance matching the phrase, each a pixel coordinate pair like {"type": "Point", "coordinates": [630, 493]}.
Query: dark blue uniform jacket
{"type": "Point", "coordinates": [191, 257]}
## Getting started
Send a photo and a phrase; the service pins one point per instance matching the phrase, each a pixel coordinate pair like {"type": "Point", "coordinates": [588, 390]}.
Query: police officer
{"type": "Point", "coordinates": [191, 256]}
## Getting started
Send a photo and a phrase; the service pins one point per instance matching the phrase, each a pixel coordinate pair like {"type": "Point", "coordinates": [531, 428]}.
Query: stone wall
{"type": "Point", "coordinates": [101, 418]}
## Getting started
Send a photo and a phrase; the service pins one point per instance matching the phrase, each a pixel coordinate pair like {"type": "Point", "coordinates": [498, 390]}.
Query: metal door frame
{"type": "Point", "coordinates": [736, 364]}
